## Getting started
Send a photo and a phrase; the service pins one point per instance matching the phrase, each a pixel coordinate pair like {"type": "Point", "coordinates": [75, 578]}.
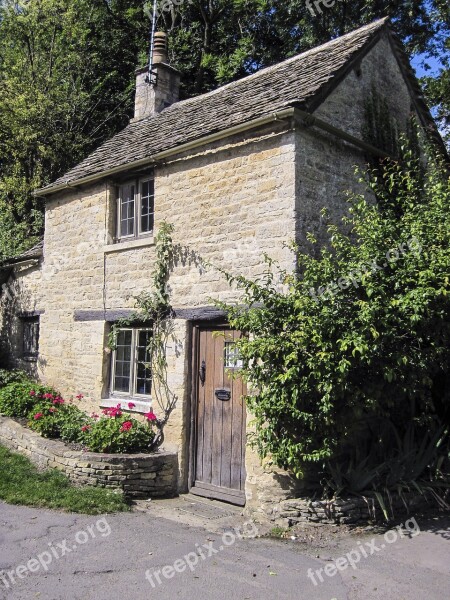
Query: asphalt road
{"type": "Point", "coordinates": [137, 556]}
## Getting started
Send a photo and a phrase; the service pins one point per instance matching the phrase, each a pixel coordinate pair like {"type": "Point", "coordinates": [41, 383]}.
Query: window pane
{"type": "Point", "coordinates": [143, 366]}
{"type": "Point", "coordinates": [127, 210]}
{"type": "Point", "coordinates": [31, 337]}
{"type": "Point", "coordinates": [122, 355]}
{"type": "Point", "coordinates": [147, 205]}
{"type": "Point", "coordinates": [232, 360]}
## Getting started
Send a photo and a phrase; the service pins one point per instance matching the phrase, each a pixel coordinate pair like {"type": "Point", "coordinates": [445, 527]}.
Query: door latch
{"type": "Point", "coordinates": [202, 373]}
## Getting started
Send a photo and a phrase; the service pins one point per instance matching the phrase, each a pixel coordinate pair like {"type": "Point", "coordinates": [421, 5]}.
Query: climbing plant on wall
{"type": "Point", "coordinates": [154, 307]}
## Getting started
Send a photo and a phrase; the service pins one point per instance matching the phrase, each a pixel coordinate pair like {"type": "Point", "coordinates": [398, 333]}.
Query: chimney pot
{"type": "Point", "coordinates": [160, 48]}
{"type": "Point", "coordinates": [152, 98]}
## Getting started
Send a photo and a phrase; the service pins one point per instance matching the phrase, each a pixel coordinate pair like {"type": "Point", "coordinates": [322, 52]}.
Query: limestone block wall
{"type": "Point", "coordinates": [22, 294]}
{"type": "Point", "coordinates": [137, 475]}
{"type": "Point", "coordinates": [325, 164]}
{"type": "Point", "coordinates": [229, 202]}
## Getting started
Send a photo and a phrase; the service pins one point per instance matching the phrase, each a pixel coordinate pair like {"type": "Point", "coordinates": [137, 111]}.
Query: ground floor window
{"type": "Point", "coordinates": [131, 368]}
{"type": "Point", "coordinates": [30, 328]}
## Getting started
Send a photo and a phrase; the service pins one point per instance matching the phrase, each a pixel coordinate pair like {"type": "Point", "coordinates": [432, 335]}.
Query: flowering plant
{"type": "Point", "coordinates": [119, 434]}
{"type": "Point", "coordinates": [18, 399]}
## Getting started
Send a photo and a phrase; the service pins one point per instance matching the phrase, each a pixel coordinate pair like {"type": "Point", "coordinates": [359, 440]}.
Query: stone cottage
{"type": "Point", "coordinates": [238, 172]}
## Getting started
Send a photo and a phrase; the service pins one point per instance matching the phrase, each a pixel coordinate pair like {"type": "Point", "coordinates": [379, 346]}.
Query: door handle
{"type": "Point", "coordinates": [202, 373]}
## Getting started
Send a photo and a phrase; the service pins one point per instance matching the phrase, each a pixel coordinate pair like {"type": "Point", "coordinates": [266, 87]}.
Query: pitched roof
{"type": "Point", "coordinates": [33, 253]}
{"type": "Point", "coordinates": [292, 82]}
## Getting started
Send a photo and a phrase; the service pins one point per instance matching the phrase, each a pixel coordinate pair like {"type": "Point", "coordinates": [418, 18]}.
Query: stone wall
{"type": "Point", "coordinates": [351, 510]}
{"type": "Point", "coordinates": [137, 475]}
{"type": "Point", "coordinates": [22, 295]}
{"type": "Point", "coordinates": [325, 164]}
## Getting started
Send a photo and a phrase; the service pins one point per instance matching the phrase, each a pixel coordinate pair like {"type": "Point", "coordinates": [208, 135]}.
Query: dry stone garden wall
{"type": "Point", "coordinates": [137, 475]}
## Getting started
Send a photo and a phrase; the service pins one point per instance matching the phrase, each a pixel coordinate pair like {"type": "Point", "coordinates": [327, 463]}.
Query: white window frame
{"type": "Point", "coordinates": [133, 371]}
{"type": "Point", "coordinates": [138, 233]}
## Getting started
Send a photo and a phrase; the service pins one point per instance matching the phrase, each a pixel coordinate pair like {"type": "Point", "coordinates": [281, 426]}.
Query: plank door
{"type": "Point", "coordinates": [220, 418]}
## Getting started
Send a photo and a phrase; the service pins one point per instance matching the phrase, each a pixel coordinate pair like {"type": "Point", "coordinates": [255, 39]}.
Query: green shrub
{"type": "Point", "coordinates": [18, 399]}
{"type": "Point", "coordinates": [14, 376]}
{"type": "Point", "coordinates": [43, 419]}
{"type": "Point", "coordinates": [54, 418]}
{"type": "Point", "coordinates": [360, 331]}
{"type": "Point", "coordinates": [119, 434]}
{"type": "Point", "coordinates": [71, 421]}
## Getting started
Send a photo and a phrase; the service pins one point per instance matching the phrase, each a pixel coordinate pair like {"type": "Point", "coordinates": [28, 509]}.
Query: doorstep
{"type": "Point", "coordinates": [192, 511]}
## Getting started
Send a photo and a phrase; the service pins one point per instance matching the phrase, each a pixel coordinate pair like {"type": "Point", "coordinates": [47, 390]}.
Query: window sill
{"type": "Point", "coordinates": [31, 359]}
{"type": "Point", "coordinates": [129, 244]}
{"type": "Point", "coordinates": [141, 406]}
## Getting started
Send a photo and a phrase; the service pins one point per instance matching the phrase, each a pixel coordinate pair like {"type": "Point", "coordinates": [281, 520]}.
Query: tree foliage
{"type": "Point", "coordinates": [67, 71]}
{"type": "Point", "coordinates": [362, 331]}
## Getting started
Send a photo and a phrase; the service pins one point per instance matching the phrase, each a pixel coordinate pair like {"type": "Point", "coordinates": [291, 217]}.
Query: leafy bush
{"type": "Point", "coordinates": [387, 465]}
{"type": "Point", "coordinates": [361, 331]}
{"type": "Point", "coordinates": [71, 421]}
{"type": "Point", "coordinates": [43, 419]}
{"type": "Point", "coordinates": [17, 399]}
{"type": "Point", "coordinates": [52, 417]}
{"type": "Point", "coordinates": [14, 376]}
{"type": "Point", "coordinates": [119, 434]}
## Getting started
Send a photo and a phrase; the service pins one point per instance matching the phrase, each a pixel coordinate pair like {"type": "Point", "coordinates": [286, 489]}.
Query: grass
{"type": "Point", "coordinates": [21, 483]}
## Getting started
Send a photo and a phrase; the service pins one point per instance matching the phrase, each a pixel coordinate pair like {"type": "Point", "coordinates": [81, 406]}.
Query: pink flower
{"type": "Point", "coordinates": [48, 396]}
{"type": "Point", "coordinates": [150, 416]}
{"type": "Point", "coordinates": [58, 400]}
{"type": "Point", "coordinates": [113, 412]}
{"type": "Point", "coordinates": [79, 397]}
{"type": "Point", "coordinates": [52, 410]}
{"type": "Point", "coordinates": [32, 393]}
{"type": "Point", "coordinates": [131, 405]}
{"type": "Point", "coordinates": [85, 428]}
{"type": "Point", "coordinates": [94, 416]}
{"type": "Point", "coordinates": [38, 416]}
{"type": "Point", "coordinates": [126, 426]}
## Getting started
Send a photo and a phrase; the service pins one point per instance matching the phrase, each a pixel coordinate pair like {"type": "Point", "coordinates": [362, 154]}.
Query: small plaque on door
{"type": "Point", "coordinates": [223, 394]}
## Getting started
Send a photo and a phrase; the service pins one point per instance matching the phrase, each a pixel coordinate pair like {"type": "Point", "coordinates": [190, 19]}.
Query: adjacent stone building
{"type": "Point", "coordinates": [239, 172]}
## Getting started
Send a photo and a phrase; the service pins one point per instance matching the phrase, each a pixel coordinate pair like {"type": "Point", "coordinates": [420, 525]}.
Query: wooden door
{"type": "Point", "coordinates": [219, 470]}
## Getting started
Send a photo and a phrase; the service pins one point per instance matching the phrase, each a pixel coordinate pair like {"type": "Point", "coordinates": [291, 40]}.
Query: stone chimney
{"type": "Point", "coordinates": [153, 97]}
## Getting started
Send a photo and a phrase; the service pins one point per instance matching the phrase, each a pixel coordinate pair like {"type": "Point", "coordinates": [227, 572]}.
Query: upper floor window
{"type": "Point", "coordinates": [136, 208]}
{"type": "Point", "coordinates": [30, 338]}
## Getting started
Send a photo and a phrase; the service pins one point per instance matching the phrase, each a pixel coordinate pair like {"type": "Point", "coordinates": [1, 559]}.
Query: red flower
{"type": "Point", "coordinates": [131, 405]}
{"type": "Point", "coordinates": [58, 400]}
{"type": "Point", "coordinates": [38, 416]}
{"type": "Point", "coordinates": [79, 397]}
{"type": "Point", "coordinates": [150, 416]}
{"type": "Point", "coordinates": [32, 393]}
{"type": "Point", "coordinates": [126, 426]}
{"type": "Point", "coordinates": [94, 416]}
{"type": "Point", "coordinates": [113, 412]}
{"type": "Point", "coordinates": [48, 396]}
{"type": "Point", "coordinates": [85, 428]}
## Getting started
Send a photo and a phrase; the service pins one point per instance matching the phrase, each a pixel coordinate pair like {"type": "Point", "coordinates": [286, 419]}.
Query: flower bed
{"type": "Point", "coordinates": [137, 475]}
{"type": "Point", "coordinates": [53, 417]}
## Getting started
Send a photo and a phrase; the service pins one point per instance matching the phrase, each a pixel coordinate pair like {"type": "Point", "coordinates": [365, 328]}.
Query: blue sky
{"type": "Point", "coordinates": [434, 63]}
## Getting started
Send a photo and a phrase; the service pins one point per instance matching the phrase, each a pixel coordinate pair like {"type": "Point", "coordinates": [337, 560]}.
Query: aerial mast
{"type": "Point", "coordinates": [152, 77]}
